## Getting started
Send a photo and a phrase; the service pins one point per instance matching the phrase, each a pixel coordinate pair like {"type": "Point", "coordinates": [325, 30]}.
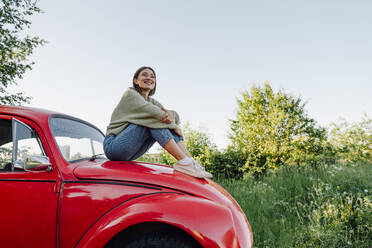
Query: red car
{"type": "Point", "coordinates": [57, 189]}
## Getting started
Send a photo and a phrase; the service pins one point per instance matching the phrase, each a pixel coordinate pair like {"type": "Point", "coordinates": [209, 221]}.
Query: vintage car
{"type": "Point", "coordinates": [57, 189]}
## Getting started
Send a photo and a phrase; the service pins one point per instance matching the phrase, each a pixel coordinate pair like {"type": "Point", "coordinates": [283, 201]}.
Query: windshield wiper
{"type": "Point", "coordinates": [92, 158]}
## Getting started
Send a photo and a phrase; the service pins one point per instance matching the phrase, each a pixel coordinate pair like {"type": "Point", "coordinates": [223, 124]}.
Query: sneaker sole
{"type": "Point", "coordinates": [190, 173]}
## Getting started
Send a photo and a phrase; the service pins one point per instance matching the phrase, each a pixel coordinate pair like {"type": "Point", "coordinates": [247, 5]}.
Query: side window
{"type": "Point", "coordinates": [17, 142]}
{"type": "Point", "coordinates": [6, 145]}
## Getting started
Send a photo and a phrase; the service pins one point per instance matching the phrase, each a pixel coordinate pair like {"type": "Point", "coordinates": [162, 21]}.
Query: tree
{"type": "Point", "coordinates": [15, 46]}
{"type": "Point", "coordinates": [353, 142]}
{"type": "Point", "coordinates": [272, 128]}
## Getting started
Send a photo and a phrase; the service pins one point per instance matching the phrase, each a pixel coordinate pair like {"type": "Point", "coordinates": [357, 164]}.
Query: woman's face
{"type": "Point", "coordinates": [146, 80]}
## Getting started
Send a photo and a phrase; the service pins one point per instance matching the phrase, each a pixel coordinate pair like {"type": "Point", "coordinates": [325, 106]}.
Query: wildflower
{"type": "Point", "coordinates": [349, 243]}
{"type": "Point", "coordinates": [366, 190]}
{"type": "Point", "coordinates": [344, 193]}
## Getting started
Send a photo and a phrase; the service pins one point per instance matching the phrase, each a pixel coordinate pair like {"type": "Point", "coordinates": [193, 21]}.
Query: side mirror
{"type": "Point", "coordinates": [37, 163]}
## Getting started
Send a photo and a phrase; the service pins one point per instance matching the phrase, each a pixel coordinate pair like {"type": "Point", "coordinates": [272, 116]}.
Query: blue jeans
{"type": "Point", "coordinates": [135, 140]}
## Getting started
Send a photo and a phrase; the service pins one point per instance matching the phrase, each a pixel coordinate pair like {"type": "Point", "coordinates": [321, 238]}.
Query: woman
{"type": "Point", "coordinates": [138, 121]}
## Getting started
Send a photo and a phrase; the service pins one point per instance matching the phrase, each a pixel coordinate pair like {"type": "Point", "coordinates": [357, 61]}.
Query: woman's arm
{"type": "Point", "coordinates": [168, 117]}
{"type": "Point", "coordinates": [134, 103]}
{"type": "Point", "coordinates": [133, 108]}
{"type": "Point", "coordinates": [172, 114]}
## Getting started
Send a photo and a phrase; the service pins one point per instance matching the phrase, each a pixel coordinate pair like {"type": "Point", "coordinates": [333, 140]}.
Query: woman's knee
{"type": "Point", "coordinates": [161, 135]}
{"type": "Point", "coordinates": [177, 138]}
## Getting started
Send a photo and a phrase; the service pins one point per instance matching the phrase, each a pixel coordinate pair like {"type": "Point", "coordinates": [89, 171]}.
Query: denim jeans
{"type": "Point", "coordinates": [135, 140]}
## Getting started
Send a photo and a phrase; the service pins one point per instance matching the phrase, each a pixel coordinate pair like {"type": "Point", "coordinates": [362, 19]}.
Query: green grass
{"type": "Point", "coordinates": [328, 206]}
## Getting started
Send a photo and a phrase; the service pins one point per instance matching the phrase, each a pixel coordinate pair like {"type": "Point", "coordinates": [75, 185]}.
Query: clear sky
{"type": "Point", "coordinates": [204, 53]}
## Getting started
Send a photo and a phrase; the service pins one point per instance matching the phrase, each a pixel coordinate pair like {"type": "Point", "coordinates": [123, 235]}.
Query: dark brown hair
{"type": "Point", "coordinates": [136, 74]}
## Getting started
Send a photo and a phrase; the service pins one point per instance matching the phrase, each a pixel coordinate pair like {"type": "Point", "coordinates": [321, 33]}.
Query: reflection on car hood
{"type": "Point", "coordinates": [151, 174]}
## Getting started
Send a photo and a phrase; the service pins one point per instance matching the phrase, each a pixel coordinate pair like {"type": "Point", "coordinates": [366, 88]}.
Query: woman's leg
{"type": "Point", "coordinates": [136, 140]}
{"type": "Point", "coordinates": [189, 165]}
{"type": "Point", "coordinates": [177, 148]}
{"type": "Point", "coordinates": [168, 141]}
{"type": "Point", "coordinates": [143, 149]}
{"type": "Point", "coordinates": [182, 146]}
{"type": "Point", "coordinates": [172, 147]}
{"type": "Point", "coordinates": [179, 141]}
{"type": "Point", "coordinates": [129, 143]}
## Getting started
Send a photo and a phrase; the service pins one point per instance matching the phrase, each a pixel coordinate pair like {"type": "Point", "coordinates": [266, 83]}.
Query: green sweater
{"type": "Point", "coordinates": [134, 108]}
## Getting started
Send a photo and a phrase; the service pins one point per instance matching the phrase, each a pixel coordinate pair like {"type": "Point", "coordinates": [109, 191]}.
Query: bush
{"type": "Point", "coordinates": [227, 164]}
{"type": "Point", "coordinates": [352, 142]}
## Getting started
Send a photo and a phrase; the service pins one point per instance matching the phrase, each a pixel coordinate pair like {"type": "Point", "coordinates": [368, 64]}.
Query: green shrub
{"type": "Point", "coordinates": [352, 142]}
{"type": "Point", "coordinates": [227, 164]}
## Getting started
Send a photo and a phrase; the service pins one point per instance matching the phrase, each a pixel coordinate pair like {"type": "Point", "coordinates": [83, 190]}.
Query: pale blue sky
{"type": "Point", "coordinates": [204, 53]}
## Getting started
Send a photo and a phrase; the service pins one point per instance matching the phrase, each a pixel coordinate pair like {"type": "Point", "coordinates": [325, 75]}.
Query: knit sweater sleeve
{"type": "Point", "coordinates": [133, 108]}
{"type": "Point", "coordinates": [137, 107]}
{"type": "Point", "coordinates": [175, 114]}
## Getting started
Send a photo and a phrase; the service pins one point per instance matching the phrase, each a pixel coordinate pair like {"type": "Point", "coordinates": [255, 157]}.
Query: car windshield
{"type": "Point", "coordinates": [76, 140]}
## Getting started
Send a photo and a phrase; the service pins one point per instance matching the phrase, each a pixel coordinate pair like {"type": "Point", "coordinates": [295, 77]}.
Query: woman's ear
{"type": "Point", "coordinates": [135, 81]}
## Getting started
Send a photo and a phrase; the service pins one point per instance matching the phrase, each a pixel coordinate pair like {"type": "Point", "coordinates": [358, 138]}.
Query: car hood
{"type": "Point", "coordinates": [164, 177]}
{"type": "Point", "coordinates": [151, 174]}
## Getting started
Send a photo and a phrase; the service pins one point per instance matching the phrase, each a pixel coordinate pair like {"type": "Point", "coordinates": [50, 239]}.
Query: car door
{"type": "Point", "coordinates": [28, 205]}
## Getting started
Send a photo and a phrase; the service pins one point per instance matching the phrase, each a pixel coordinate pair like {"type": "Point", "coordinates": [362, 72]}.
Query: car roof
{"type": "Point", "coordinates": [36, 114]}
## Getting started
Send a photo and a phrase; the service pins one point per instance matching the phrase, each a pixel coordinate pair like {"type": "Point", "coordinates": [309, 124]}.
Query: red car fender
{"type": "Point", "coordinates": [208, 222]}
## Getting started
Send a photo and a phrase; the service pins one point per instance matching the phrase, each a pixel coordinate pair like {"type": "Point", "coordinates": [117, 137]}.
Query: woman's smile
{"type": "Point", "coordinates": [149, 82]}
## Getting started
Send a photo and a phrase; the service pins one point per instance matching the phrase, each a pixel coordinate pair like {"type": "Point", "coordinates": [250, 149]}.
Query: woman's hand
{"type": "Point", "coordinates": [178, 131]}
{"type": "Point", "coordinates": [167, 117]}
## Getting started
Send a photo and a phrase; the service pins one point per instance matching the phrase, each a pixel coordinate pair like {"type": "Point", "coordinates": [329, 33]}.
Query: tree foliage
{"type": "Point", "coordinates": [15, 46]}
{"type": "Point", "coordinates": [353, 142]}
{"type": "Point", "coordinates": [272, 128]}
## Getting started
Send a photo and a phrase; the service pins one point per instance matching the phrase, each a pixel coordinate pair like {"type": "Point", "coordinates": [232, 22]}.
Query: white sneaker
{"type": "Point", "coordinates": [193, 169]}
{"type": "Point", "coordinates": [201, 167]}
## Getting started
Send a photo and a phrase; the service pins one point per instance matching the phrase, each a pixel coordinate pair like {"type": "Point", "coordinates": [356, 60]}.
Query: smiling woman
{"type": "Point", "coordinates": [138, 121]}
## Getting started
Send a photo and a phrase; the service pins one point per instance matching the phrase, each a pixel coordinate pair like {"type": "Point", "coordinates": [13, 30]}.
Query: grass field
{"type": "Point", "coordinates": [328, 206]}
